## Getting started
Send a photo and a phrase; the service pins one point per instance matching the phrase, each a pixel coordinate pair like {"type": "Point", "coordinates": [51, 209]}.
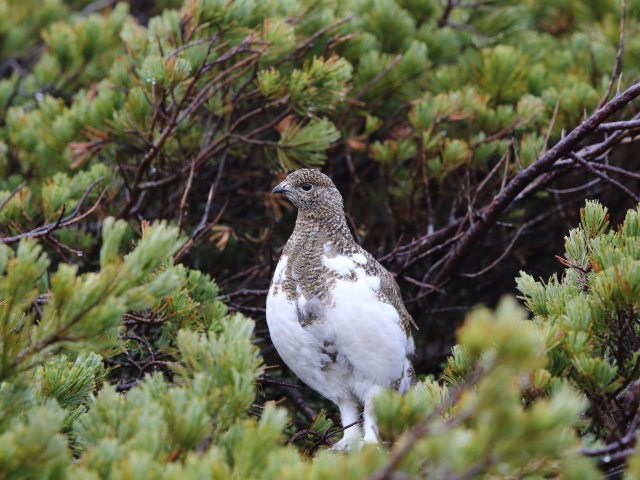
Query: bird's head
{"type": "Point", "coordinates": [312, 192]}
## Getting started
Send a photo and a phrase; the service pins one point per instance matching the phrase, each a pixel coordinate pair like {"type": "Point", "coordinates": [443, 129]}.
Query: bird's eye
{"type": "Point", "coordinates": [307, 187]}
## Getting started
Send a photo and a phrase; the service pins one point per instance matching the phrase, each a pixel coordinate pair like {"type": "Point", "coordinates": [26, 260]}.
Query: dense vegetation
{"type": "Point", "coordinates": [138, 144]}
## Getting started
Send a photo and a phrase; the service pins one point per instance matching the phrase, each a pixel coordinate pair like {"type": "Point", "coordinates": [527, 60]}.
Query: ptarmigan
{"type": "Point", "coordinates": [335, 315]}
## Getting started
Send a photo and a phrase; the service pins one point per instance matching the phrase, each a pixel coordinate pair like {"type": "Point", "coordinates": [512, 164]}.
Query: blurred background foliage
{"type": "Point", "coordinates": [186, 114]}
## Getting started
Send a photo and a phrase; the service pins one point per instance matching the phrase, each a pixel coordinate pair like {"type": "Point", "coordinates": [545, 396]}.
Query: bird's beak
{"type": "Point", "coordinates": [280, 188]}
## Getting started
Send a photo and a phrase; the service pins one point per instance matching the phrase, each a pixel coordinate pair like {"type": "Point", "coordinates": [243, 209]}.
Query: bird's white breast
{"type": "Point", "coordinates": [297, 346]}
{"type": "Point", "coordinates": [367, 329]}
{"type": "Point", "coordinates": [364, 331]}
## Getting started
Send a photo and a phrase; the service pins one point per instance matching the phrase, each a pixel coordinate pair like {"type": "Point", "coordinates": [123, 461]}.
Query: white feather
{"type": "Point", "coordinates": [371, 281]}
{"type": "Point", "coordinates": [365, 333]}
{"type": "Point", "coordinates": [339, 264]}
{"type": "Point", "coordinates": [359, 258]}
{"type": "Point", "coordinates": [282, 264]}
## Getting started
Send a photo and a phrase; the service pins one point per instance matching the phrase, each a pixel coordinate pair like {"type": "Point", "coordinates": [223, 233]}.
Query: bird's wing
{"type": "Point", "coordinates": [358, 327]}
{"type": "Point", "coordinates": [346, 261]}
{"type": "Point", "coordinates": [390, 292]}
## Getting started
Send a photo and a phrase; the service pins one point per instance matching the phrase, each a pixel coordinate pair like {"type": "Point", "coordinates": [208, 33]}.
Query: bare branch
{"type": "Point", "coordinates": [11, 195]}
{"type": "Point", "coordinates": [186, 46]}
{"type": "Point", "coordinates": [307, 42]}
{"type": "Point", "coordinates": [500, 258]}
{"type": "Point", "coordinates": [612, 168]}
{"type": "Point", "coordinates": [204, 225]}
{"type": "Point", "coordinates": [579, 188]}
{"type": "Point", "coordinates": [61, 222]}
{"type": "Point", "coordinates": [604, 176]}
{"type": "Point", "coordinates": [618, 61]}
{"type": "Point", "coordinates": [625, 125]}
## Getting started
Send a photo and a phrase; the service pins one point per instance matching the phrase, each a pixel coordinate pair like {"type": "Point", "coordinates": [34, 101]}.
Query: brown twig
{"type": "Point", "coordinates": [203, 226]}
{"type": "Point", "coordinates": [499, 134]}
{"type": "Point", "coordinates": [307, 42]}
{"type": "Point", "coordinates": [615, 71]}
{"type": "Point", "coordinates": [195, 43]}
{"type": "Point", "coordinates": [422, 284]}
{"type": "Point", "coordinates": [61, 222]}
{"type": "Point", "coordinates": [172, 123]}
{"type": "Point", "coordinates": [307, 431]}
{"type": "Point", "coordinates": [624, 125]}
{"type": "Point", "coordinates": [579, 188]}
{"type": "Point", "coordinates": [246, 291]}
{"type": "Point", "coordinates": [618, 170]}
{"type": "Point", "coordinates": [183, 200]}
{"type": "Point", "coordinates": [589, 152]}
{"type": "Point", "coordinates": [59, 244]}
{"type": "Point", "coordinates": [499, 259]}
{"type": "Point", "coordinates": [604, 176]}
{"type": "Point", "coordinates": [333, 433]}
{"type": "Point", "coordinates": [486, 179]}
{"type": "Point", "coordinates": [448, 8]}
{"type": "Point", "coordinates": [267, 378]}
{"type": "Point", "coordinates": [131, 319]}
{"type": "Point", "coordinates": [11, 195]}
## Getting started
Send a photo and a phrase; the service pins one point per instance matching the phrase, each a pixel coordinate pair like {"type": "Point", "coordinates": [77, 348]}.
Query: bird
{"type": "Point", "coordinates": [335, 315]}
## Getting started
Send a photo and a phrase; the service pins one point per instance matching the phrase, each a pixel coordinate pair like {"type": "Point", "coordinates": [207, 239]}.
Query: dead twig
{"type": "Point", "coordinates": [183, 200]}
{"type": "Point", "coordinates": [604, 176]}
{"type": "Point", "coordinates": [499, 259]}
{"type": "Point", "coordinates": [11, 195]}
{"type": "Point", "coordinates": [499, 134]}
{"type": "Point", "coordinates": [62, 221]}
{"type": "Point", "coordinates": [307, 42]}
{"type": "Point", "coordinates": [617, 64]}
{"type": "Point", "coordinates": [307, 431]}
{"type": "Point", "coordinates": [624, 125]}
{"type": "Point", "coordinates": [267, 378]}
{"type": "Point", "coordinates": [420, 284]}
{"type": "Point", "coordinates": [246, 291]}
{"type": "Point", "coordinates": [579, 188]}
{"type": "Point", "coordinates": [203, 226]}
{"type": "Point", "coordinates": [195, 43]}
{"type": "Point", "coordinates": [618, 170]}
{"type": "Point", "coordinates": [59, 244]}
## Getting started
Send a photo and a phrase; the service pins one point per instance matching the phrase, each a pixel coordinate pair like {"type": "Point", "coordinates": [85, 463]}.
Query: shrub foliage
{"type": "Point", "coordinates": [137, 144]}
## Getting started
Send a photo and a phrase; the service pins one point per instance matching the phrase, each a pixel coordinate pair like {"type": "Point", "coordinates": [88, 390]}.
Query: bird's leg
{"type": "Point", "coordinates": [348, 415]}
{"type": "Point", "coordinates": [370, 427]}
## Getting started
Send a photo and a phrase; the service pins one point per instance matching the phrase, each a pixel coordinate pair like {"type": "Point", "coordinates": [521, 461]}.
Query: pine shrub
{"type": "Point", "coordinates": [136, 142]}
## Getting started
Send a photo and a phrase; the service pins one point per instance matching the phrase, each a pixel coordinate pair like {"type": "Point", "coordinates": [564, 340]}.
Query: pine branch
{"type": "Point", "coordinates": [61, 222]}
